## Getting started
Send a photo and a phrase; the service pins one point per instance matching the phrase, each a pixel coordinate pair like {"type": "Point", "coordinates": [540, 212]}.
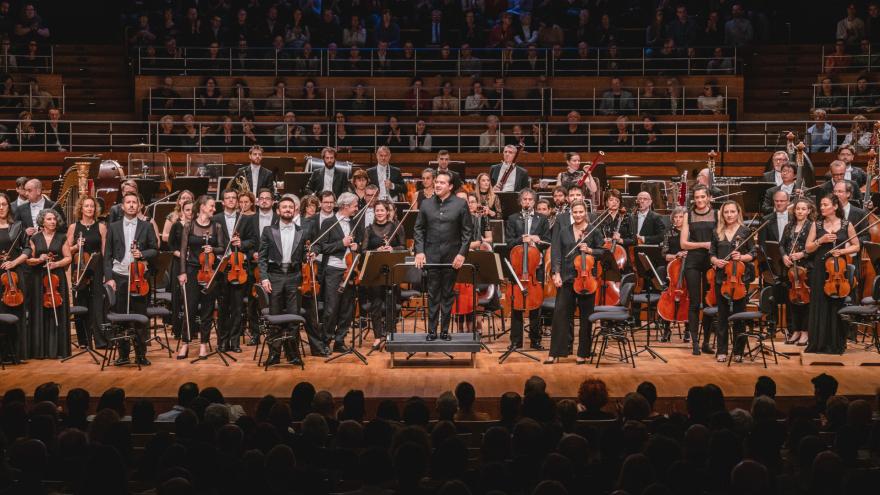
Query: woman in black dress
{"type": "Point", "coordinates": [378, 237]}
{"type": "Point", "coordinates": [48, 339]}
{"type": "Point", "coordinates": [696, 239]}
{"type": "Point", "coordinates": [564, 242]}
{"type": "Point", "coordinates": [15, 251]}
{"type": "Point", "coordinates": [793, 245]}
{"type": "Point", "coordinates": [731, 238]}
{"type": "Point", "coordinates": [202, 235]}
{"type": "Point", "coordinates": [427, 190]}
{"type": "Point", "coordinates": [88, 235]}
{"type": "Point", "coordinates": [175, 238]}
{"type": "Point", "coordinates": [671, 248]}
{"type": "Point", "coordinates": [827, 332]}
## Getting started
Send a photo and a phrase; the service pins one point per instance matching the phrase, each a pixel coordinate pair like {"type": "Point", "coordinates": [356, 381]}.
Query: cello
{"type": "Point", "coordinates": [525, 259]}
{"type": "Point", "coordinates": [609, 291]}
{"type": "Point", "coordinates": [674, 301]}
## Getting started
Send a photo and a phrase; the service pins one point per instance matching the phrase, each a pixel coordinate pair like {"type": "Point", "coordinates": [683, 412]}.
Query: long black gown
{"type": "Point", "coordinates": [826, 330]}
{"type": "Point", "coordinates": [90, 293]}
{"type": "Point", "coordinates": [13, 249]}
{"type": "Point", "coordinates": [45, 338]}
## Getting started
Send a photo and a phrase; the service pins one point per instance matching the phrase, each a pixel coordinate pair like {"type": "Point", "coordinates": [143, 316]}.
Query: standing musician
{"type": "Point", "coordinates": [202, 235]}
{"type": "Point", "coordinates": [258, 177]}
{"type": "Point", "coordinates": [703, 178]}
{"type": "Point", "coordinates": [779, 159]}
{"type": "Point", "coordinates": [427, 190]}
{"type": "Point", "coordinates": [443, 166]}
{"type": "Point", "coordinates": [560, 199]}
{"type": "Point", "coordinates": [728, 234]}
{"type": "Point", "coordinates": [838, 171]}
{"type": "Point", "coordinates": [563, 219]}
{"type": "Point", "coordinates": [569, 241]}
{"type": "Point", "coordinates": [175, 239]}
{"type": "Point", "coordinates": [826, 331]}
{"type": "Point", "coordinates": [328, 177]}
{"type": "Point", "coordinates": [342, 236]}
{"type": "Point", "coordinates": [671, 250]}
{"type": "Point", "coordinates": [378, 237]}
{"type": "Point", "coordinates": [443, 231]}
{"type": "Point", "coordinates": [616, 225]}
{"type": "Point", "coordinates": [127, 240]}
{"type": "Point", "coordinates": [534, 229]}
{"type": "Point", "coordinates": [573, 174]}
{"type": "Point", "coordinates": [696, 239]}
{"type": "Point", "coordinates": [788, 174]}
{"type": "Point", "coordinates": [282, 253]}
{"type": "Point", "coordinates": [173, 218]}
{"type": "Point", "coordinates": [265, 216]}
{"type": "Point", "coordinates": [507, 176]}
{"type": "Point", "coordinates": [852, 213]}
{"type": "Point", "coordinates": [778, 219]}
{"type": "Point", "coordinates": [27, 213]}
{"type": "Point", "coordinates": [793, 246]}
{"type": "Point", "coordinates": [486, 195]}
{"type": "Point", "coordinates": [542, 207]}
{"type": "Point", "coordinates": [247, 203]}
{"type": "Point", "coordinates": [48, 327]}
{"type": "Point", "coordinates": [88, 235]}
{"type": "Point", "coordinates": [15, 251]}
{"type": "Point", "coordinates": [847, 153]}
{"type": "Point", "coordinates": [241, 237]}
{"type": "Point", "coordinates": [116, 211]}
{"type": "Point", "coordinates": [387, 176]}
{"type": "Point", "coordinates": [645, 225]}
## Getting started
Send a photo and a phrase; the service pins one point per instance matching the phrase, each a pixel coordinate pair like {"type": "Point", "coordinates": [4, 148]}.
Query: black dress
{"type": "Point", "coordinates": [200, 303]}
{"type": "Point", "coordinates": [374, 238]}
{"type": "Point", "coordinates": [90, 294]}
{"type": "Point", "coordinates": [826, 330]}
{"type": "Point", "coordinates": [721, 248]}
{"type": "Point", "coordinates": [174, 241]}
{"type": "Point", "coordinates": [45, 338]}
{"type": "Point", "coordinates": [798, 313]}
{"type": "Point", "coordinates": [13, 248]}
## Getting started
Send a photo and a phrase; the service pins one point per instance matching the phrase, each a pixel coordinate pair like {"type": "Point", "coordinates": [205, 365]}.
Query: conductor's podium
{"type": "Point", "coordinates": [414, 343]}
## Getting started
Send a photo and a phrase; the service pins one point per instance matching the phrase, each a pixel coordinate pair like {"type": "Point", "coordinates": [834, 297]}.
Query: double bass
{"type": "Point", "coordinates": [525, 259]}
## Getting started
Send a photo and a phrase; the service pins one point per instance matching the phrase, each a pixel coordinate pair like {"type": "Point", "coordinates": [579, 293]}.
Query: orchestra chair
{"type": "Point", "coordinates": [284, 337]}
{"type": "Point", "coordinates": [760, 325]}
{"type": "Point", "coordinates": [7, 320]}
{"type": "Point", "coordinates": [408, 297]}
{"type": "Point", "coordinates": [119, 327]}
{"type": "Point", "coordinates": [487, 307]}
{"type": "Point", "coordinates": [616, 323]}
{"type": "Point", "coordinates": [864, 317]}
{"type": "Point", "coordinates": [159, 302]}
{"type": "Point", "coordinates": [76, 312]}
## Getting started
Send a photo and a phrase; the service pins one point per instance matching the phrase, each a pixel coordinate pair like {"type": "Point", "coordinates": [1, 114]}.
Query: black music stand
{"type": "Point", "coordinates": [509, 203]}
{"type": "Point", "coordinates": [376, 272]}
{"type": "Point", "coordinates": [512, 349]}
{"type": "Point", "coordinates": [278, 164]}
{"type": "Point", "coordinates": [754, 195]}
{"type": "Point", "coordinates": [646, 267]}
{"type": "Point", "coordinates": [197, 185]}
{"type": "Point", "coordinates": [409, 224]}
{"type": "Point", "coordinates": [147, 188]}
{"type": "Point", "coordinates": [653, 252]}
{"type": "Point", "coordinates": [487, 265]}
{"type": "Point", "coordinates": [295, 182]}
{"type": "Point", "coordinates": [90, 337]}
{"type": "Point", "coordinates": [773, 253]}
{"type": "Point", "coordinates": [222, 183]}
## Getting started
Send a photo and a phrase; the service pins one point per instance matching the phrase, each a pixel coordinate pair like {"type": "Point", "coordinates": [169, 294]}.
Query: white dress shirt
{"type": "Point", "coordinates": [36, 208]}
{"type": "Point", "coordinates": [255, 178]}
{"type": "Point", "coordinates": [287, 233]}
{"type": "Point", "coordinates": [848, 174]}
{"type": "Point", "coordinates": [640, 219]}
{"type": "Point", "coordinates": [382, 173]}
{"type": "Point", "coordinates": [789, 188]}
{"type": "Point", "coordinates": [230, 222]}
{"type": "Point", "coordinates": [369, 216]}
{"type": "Point", "coordinates": [781, 222]}
{"type": "Point", "coordinates": [511, 179]}
{"type": "Point", "coordinates": [335, 261]}
{"type": "Point", "coordinates": [128, 229]}
{"type": "Point", "coordinates": [265, 220]}
{"type": "Point", "coordinates": [328, 179]}
{"type": "Point", "coordinates": [846, 211]}
{"type": "Point", "coordinates": [777, 177]}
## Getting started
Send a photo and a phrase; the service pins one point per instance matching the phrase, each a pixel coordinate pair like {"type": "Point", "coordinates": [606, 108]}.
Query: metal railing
{"type": "Point", "coordinates": [21, 62]}
{"type": "Point", "coordinates": [455, 136]}
{"type": "Point", "coordinates": [25, 98]}
{"type": "Point", "coordinates": [846, 98]}
{"type": "Point", "coordinates": [378, 101]}
{"type": "Point", "coordinates": [851, 63]}
{"type": "Point", "coordinates": [428, 61]}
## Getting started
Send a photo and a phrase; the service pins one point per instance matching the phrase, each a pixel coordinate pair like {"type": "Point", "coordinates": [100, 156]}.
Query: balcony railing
{"type": "Point", "coordinates": [12, 61]}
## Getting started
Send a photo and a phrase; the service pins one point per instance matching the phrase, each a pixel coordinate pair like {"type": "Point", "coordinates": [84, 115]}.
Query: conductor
{"type": "Point", "coordinates": [443, 229]}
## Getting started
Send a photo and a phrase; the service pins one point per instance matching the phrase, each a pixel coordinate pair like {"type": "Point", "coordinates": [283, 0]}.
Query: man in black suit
{"type": "Point", "coordinates": [778, 159]}
{"type": "Point", "coordinates": [778, 218]}
{"type": "Point", "coordinates": [282, 253]}
{"type": "Point", "coordinates": [386, 176]}
{"type": "Point", "coordinates": [443, 230]}
{"type": "Point", "coordinates": [27, 212]}
{"type": "Point", "coordinates": [341, 238]}
{"type": "Point", "coordinates": [56, 136]}
{"type": "Point", "coordinates": [257, 177]}
{"type": "Point", "coordinates": [703, 178]}
{"type": "Point", "coordinates": [516, 180]}
{"type": "Point", "coordinates": [838, 173]}
{"type": "Point", "coordinates": [129, 239]}
{"type": "Point", "coordinates": [852, 213]}
{"type": "Point", "coordinates": [527, 227]}
{"type": "Point", "coordinates": [847, 154]}
{"type": "Point", "coordinates": [646, 226]}
{"type": "Point", "coordinates": [443, 166]}
{"type": "Point", "coordinates": [435, 32]}
{"type": "Point", "coordinates": [241, 238]}
{"type": "Point", "coordinates": [256, 223]}
{"type": "Point", "coordinates": [328, 177]}
{"type": "Point", "coordinates": [787, 172]}
{"type": "Point", "coordinates": [115, 214]}
{"type": "Point", "coordinates": [563, 218]}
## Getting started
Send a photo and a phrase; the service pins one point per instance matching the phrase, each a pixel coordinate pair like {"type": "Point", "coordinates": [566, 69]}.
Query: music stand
{"type": "Point", "coordinates": [376, 272]}
{"type": "Point", "coordinates": [222, 184]}
{"type": "Point", "coordinates": [159, 272]}
{"type": "Point", "coordinates": [509, 203]}
{"type": "Point", "coordinates": [773, 253]}
{"type": "Point", "coordinates": [147, 188]}
{"type": "Point", "coordinates": [88, 349]}
{"type": "Point", "coordinates": [645, 266]}
{"type": "Point", "coordinates": [295, 182]}
{"type": "Point", "coordinates": [409, 224]}
{"type": "Point", "coordinates": [162, 209]}
{"type": "Point", "coordinates": [487, 265]}
{"type": "Point", "coordinates": [653, 252]}
{"type": "Point", "coordinates": [754, 194]}
{"type": "Point", "coordinates": [197, 185]}
{"type": "Point", "coordinates": [278, 164]}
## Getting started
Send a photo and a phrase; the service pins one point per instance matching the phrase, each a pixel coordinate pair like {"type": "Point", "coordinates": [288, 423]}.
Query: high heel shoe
{"type": "Point", "coordinates": [551, 360]}
{"type": "Point", "coordinates": [185, 354]}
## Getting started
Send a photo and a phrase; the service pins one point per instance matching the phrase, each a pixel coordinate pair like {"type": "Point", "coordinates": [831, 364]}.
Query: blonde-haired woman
{"type": "Point", "coordinates": [859, 136]}
{"type": "Point", "coordinates": [487, 197]}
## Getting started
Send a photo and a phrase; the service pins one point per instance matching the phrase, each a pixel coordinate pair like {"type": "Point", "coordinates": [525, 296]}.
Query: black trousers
{"type": "Point", "coordinates": [231, 311]}
{"type": "Point", "coordinates": [377, 296]}
{"type": "Point", "coordinates": [562, 328]}
{"type": "Point", "coordinates": [284, 299]}
{"type": "Point", "coordinates": [198, 304]}
{"type": "Point", "coordinates": [696, 286]}
{"type": "Point", "coordinates": [90, 295]}
{"type": "Point", "coordinates": [439, 284]}
{"type": "Point", "coordinates": [137, 305]}
{"type": "Point", "coordinates": [516, 327]}
{"type": "Point", "coordinates": [725, 309]}
{"type": "Point", "coordinates": [338, 307]}
{"type": "Point", "coordinates": [780, 294]}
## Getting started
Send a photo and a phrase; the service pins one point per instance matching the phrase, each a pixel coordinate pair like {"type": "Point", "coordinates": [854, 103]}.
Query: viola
{"type": "Point", "coordinates": [137, 284]}
{"type": "Point", "coordinates": [51, 287]}
{"type": "Point", "coordinates": [206, 262]}
{"type": "Point", "coordinates": [609, 291]}
{"type": "Point", "coordinates": [798, 290]}
{"type": "Point", "coordinates": [237, 275]}
{"type": "Point", "coordinates": [674, 301]}
{"type": "Point", "coordinates": [525, 260]}
{"type": "Point", "coordinates": [836, 282]}
{"type": "Point", "coordinates": [733, 287]}
{"type": "Point", "coordinates": [309, 283]}
{"type": "Point", "coordinates": [12, 295]}
{"type": "Point", "coordinates": [586, 281]}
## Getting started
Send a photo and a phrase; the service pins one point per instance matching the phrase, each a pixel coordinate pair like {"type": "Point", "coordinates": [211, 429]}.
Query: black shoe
{"type": "Point", "coordinates": [686, 338]}
{"type": "Point", "coordinates": [222, 348]}
{"type": "Point", "coordinates": [273, 360]}
{"type": "Point", "coordinates": [432, 336]}
{"type": "Point", "coordinates": [696, 351]}
{"type": "Point", "coordinates": [122, 361]}
{"type": "Point", "coordinates": [445, 336]}
{"type": "Point", "coordinates": [708, 348]}
{"type": "Point", "coordinates": [340, 348]}
{"type": "Point", "coordinates": [143, 361]}
{"type": "Point", "coordinates": [236, 350]}
{"type": "Point", "coordinates": [664, 337]}
{"type": "Point", "coordinates": [321, 353]}
{"type": "Point", "coordinates": [295, 360]}
{"type": "Point", "coordinates": [536, 346]}
{"type": "Point", "coordinates": [254, 341]}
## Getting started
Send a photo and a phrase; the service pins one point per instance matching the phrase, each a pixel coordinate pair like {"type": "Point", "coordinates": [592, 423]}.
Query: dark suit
{"type": "Point", "coordinates": [522, 177]}
{"type": "Point", "coordinates": [338, 307]}
{"type": "Point", "coordinates": [767, 203]}
{"type": "Point", "coordinates": [23, 214]}
{"type": "Point", "coordinates": [54, 139]}
{"type": "Point", "coordinates": [653, 228]}
{"type": "Point", "coordinates": [770, 176]}
{"type": "Point", "coordinates": [115, 249]}
{"type": "Point", "coordinates": [515, 228]}
{"type": "Point", "coordinates": [828, 188]}
{"type": "Point", "coordinates": [398, 185]}
{"type": "Point", "coordinates": [266, 179]}
{"type": "Point", "coordinates": [771, 233]}
{"type": "Point", "coordinates": [858, 176]}
{"type": "Point", "coordinates": [857, 218]}
{"type": "Point", "coordinates": [229, 326]}
{"type": "Point", "coordinates": [316, 182]}
{"type": "Point", "coordinates": [285, 276]}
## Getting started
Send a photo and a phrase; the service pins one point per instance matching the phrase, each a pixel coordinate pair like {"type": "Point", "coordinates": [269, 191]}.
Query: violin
{"type": "Point", "coordinates": [352, 270]}
{"type": "Point", "coordinates": [137, 284]}
{"type": "Point", "coordinates": [206, 262]}
{"type": "Point", "coordinates": [237, 275]}
{"type": "Point", "coordinates": [674, 301]}
{"type": "Point", "coordinates": [733, 287]}
{"type": "Point", "coordinates": [309, 283]}
{"type": "Point", "coordinates": [836, 282]}
{"type": "Point", "coordinates": [711, 295]}
{"type": "Point", "coordinates": [586, 281]}
{"type": "Point", "coordinates": [51, 287]}
{"type": "Point", "coordinates": [80, 264]}
{"type": "Point", "coordinates": [798, 290]}
{"type": "Point", "coordinates": [525, 259]}
{"type": "Point", "coordinates": [12, 295]}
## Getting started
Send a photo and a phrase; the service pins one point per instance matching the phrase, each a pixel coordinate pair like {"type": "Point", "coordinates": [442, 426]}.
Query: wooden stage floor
{"type": "Point", "coordinates": [246, 380]}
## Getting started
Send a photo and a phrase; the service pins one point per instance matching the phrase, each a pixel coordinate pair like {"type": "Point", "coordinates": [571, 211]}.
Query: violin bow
{"type": "Point", "coordinates": [225, 252]}
{"type": "Point", "coordinates": [748, 237]}
{"type": "Point", "coordinates": [51, 290]}
{"type": "Point", "coordinates": [597, 223]}
{"type": "Point", "coordinates": [400, 223]}
{"type": "Point", "coordinates": [840, 244]}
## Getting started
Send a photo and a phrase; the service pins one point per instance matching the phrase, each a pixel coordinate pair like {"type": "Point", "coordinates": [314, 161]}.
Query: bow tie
{"type": "Point", "coordinates": [130, 223]}
{"type": "Point", "coordinates": [345, 219]}
{"type": "Point", "coordinates": [287, 227]}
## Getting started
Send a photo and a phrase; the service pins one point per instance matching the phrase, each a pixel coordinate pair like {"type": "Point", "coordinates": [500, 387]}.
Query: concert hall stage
{"type": "Point", "coordinates": [244, 382]}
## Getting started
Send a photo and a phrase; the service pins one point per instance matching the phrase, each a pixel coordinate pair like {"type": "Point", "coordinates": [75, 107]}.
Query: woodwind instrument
{"type": "Point", "coordinates": [503, 179]}
{"type": "Point", "coordinates": [588, 169]}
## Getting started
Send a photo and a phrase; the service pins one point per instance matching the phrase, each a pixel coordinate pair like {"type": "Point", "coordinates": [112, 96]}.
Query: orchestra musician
{"type": "Point", "coordinates": [443, 166]}
{"type": "Point", "coordinates": [568, 241]}
{"type": "Point", "coordinates": [645, 225]}
{"type": "Point", "coordinates": [852, 213]}
{"type": "Point", "coordinates": [563, 219]}
{"type": "Point", "coordinates": [573, 174]}
{"type": "Point", "coordinates": [282, 253]}
{"type": "Point", "coordinates": [847, 153]}
{"type": "Point", "coordinates": [131, 238]}
{"type": "Point", "coordinates": [240, 236]}
{"type": "Point", "coordinates": [616, 225]}
{"type": "Point", "coordinates": [328, 177]}
{"type": "Point", "coordinates": [793, 246]}
{"type": "Point", "coordinates": [387, 176]}
{"type": "Point", "coordinates": [778, 159]}
{"type": "Point", "coordinates": [116, 211]}
{"type": "Point", "coordinates": [838, 171]}
{"type": "Point", "coordinates": [542, 207]}
{"type": "Point", "coordinates": [257, 176]}
{"type": "Point", "coordinates": [48, 337]}
{"type": "Point", "coordinates": [15, 251]}
{"type": "Point", "coordinates": [359, 182]}
{"type": "Point", "coordinates": [264, 217]}
{"type": "Point", "coordinates": [788, 174]}
{"type": "Point", "coordinates": [671, 248]}
{"type": "Point", "coordinates": [704, 178]}
{"type": "Point", "coordinates": [378, 237]}
{"type": "Point", "coordinates": [173, 218]}
{"type": "Point", "coordinates": [696, 238]}
{"type": "Point", "coordinates": [515, 179]}
{"type": "Point", "coordinates": [528, 227]}
{"type": "Point", "coordinates": [175, 238]}
{"type": "Point", "coordinates": [37, 202]}
{"type": "Point", "coordinates": [427, 190]}
{"type": "Point", "coordinates": [247, 202]}
{"type": "Point", "coordinates": [88, 234]}
{"type": "Point", "coordinates": [560, 198]}
{"type": "Point", "coordinates": [442, 232]}
{"type": "Point", "coordinates": [826, 331]}
{"type": "Point", "coordinates": [486, 195]}
{"type": "Point", "coordinates": [342, 238]}
{"type": "Point", "coordinates": [202, 235]}
{"type": "Point", "coordinates": [778, 219]}
{"type": "Point", "coordinates": [728, 234]}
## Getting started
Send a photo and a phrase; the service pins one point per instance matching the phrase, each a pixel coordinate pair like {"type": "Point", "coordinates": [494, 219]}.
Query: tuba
{"type": "Point", "coordinates": [239, 184]}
